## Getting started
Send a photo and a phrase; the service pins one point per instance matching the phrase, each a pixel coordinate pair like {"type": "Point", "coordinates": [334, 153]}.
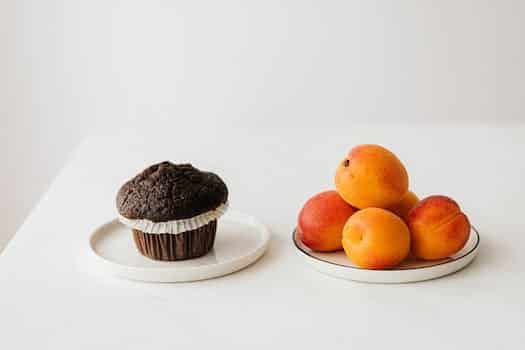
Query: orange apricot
{"type": "Point", "coordinates": [438, 228]}
{"type": "Point", "coordinates": [402, 208]}
{"type": "Point", "coordinates": [321, 221]}
{"type": "Point", "coordinates": [374, 238]}
{"type": "Point", "coordinates": [371, 176]}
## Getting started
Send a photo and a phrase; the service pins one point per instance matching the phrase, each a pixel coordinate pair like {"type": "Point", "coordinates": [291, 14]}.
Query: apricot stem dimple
{"type": "Point", "coordinates": [357, 236]}
{"type": "Point", "coordinates": [346, 162]}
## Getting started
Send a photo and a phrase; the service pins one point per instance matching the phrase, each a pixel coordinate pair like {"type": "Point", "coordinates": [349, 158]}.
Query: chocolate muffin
{"type": "Point", "coordinates": [172, 210]}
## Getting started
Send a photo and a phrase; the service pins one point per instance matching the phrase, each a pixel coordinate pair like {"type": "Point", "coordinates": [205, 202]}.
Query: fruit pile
{"type": "Point", "coordinates": [374, 217]}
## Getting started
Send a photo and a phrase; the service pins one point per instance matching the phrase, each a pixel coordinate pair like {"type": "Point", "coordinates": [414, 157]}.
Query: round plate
{"type": "Point", "coordinates": [338, 265]}
{"type": "Point", "coordinates": [240, 241]}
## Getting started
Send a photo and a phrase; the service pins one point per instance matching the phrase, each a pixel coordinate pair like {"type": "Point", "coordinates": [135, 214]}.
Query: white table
{"type": "Point", "coordinates": [47, 302]}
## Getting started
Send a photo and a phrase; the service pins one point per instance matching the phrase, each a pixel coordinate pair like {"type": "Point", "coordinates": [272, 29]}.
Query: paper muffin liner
{"type": "Point", "coordinates": [169, 247]}
{"type": "Point", "coordinates": [175, 227]}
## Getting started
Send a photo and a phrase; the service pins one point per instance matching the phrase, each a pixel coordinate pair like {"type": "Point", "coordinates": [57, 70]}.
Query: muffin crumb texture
{"type": "Point", "coordinates": [168, 191]}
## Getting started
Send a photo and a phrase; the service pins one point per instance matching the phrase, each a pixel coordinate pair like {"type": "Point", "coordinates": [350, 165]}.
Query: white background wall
{"type": "Point", "coordinates": [71, 67]}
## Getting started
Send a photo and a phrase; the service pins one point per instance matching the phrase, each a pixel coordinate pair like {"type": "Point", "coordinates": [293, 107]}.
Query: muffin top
{"type": "Point", "coordinates": [167, 191]}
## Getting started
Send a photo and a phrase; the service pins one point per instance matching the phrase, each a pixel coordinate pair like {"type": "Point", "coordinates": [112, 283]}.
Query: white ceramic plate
{"type": "Point", "coordinates": [337, 264]}
{"type": "Point", "coordinates": [240, 241]}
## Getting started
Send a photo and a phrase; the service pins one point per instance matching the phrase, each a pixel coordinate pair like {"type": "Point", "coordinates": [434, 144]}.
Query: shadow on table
{"type": "Point", "coordinates": [491, 256]}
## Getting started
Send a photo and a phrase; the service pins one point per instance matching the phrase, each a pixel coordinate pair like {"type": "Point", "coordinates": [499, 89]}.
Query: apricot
{"type": "Point", "coordinates": [402, 208]}
{"type": "Point", "coordinates": [374, 238]}
{"type": "Point", "coordinates": [438, 228]}
{"type": "Point", "coordinates": [321, 221]}
{"type": "Point", "coordinates": [371, 176]}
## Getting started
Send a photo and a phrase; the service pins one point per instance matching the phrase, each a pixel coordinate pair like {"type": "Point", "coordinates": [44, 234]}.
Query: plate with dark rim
{"type": "Point", "coordinates": [336, 264]}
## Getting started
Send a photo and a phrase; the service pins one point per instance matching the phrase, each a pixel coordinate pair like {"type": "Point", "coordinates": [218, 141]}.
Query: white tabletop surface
{"type": "Point", "coordinates": [48, 302]}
